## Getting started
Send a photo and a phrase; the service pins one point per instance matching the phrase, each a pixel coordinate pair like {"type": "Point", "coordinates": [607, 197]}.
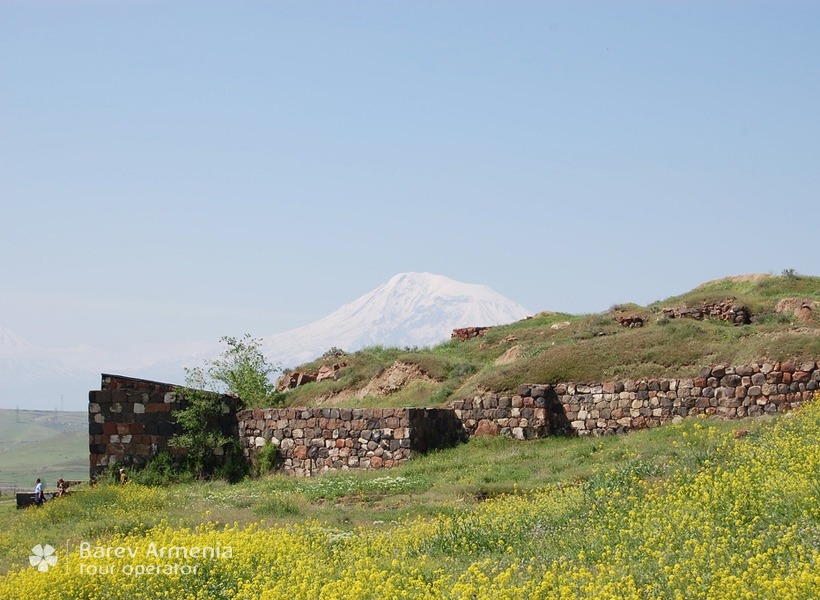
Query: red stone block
{"type": "Point", "coordinates": [109, 428]}
{"type": "Point", "coordinates": [486, 427]}
{"type": "Point", "coordinates": [155, 407]}
{"type": "Point", "coordinates": [801, 376]}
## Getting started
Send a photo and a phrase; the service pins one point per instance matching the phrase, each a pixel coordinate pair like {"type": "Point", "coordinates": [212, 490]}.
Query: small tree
{"type": "Point", "coordinates": [199, 419]}
{"type": "Point", "coordinates": [241, 370]}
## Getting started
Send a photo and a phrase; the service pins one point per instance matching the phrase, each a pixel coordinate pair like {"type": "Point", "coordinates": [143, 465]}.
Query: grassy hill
{"type": "Point", "coordinates": [44, 444]}
{"type": "Point", "coordinates": [554, 347]}
{"type": "Point", "coordinates": [702, 509]}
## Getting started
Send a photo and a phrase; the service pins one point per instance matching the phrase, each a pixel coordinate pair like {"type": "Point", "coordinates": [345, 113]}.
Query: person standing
{"type": "Point", "coordinates": [39, 494]}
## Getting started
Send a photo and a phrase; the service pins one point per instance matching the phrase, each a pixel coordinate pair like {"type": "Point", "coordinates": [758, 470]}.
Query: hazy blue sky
{"type": "Point", "coordinates": [184, 170]}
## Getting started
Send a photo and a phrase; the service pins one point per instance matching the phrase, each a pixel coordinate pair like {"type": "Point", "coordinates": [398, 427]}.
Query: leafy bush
{"type": "Point", "coordinates": [160, 470]}
{"type": "Point", "coordinates": [266, 459]}
{"type": "Point", "coordinates": [234, 467]}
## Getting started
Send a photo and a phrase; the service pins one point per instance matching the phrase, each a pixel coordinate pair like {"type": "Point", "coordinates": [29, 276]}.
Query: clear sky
{"type": "Point", "coordinates": [175, 171]}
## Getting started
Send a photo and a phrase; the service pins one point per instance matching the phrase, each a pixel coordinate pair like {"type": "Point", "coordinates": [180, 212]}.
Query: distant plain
{"type": "Point", "coordinates": [44, 444]}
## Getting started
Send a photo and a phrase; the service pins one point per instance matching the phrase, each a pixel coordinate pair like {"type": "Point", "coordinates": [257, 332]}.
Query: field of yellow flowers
{"type": "Point", "coordinates": [744, 522]}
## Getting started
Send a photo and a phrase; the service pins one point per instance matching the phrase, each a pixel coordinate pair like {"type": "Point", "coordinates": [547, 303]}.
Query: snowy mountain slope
{"type": "Point", "coordinates": [412, 309]}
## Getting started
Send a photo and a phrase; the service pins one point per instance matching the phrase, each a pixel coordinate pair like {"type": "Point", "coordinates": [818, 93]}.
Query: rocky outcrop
{"type": "Point", "coordinates": [468, 333]}
{"type": "Point", "coordinates": [394, 378]}
{"type": "Point", "coordinates": [329, 371]}
{"type": "Point", "coordinates": [631, 321]}
{"type": "Point", "coordinates": [804, 309]}
{"type": "Point", "coordinates": [288, 381]}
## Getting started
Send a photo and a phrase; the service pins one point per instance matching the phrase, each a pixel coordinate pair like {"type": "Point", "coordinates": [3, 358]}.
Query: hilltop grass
{"type": "Point", "coordinates": [758, 293]}
{"type": "Point", "coordinates": [687, 511]}
{"type": "Point", "coordinates": [589, 348]}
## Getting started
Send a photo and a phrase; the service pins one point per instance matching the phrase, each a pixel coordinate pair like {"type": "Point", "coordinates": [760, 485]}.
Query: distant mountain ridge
{"type": "Point", "coordinates": [411, 309]}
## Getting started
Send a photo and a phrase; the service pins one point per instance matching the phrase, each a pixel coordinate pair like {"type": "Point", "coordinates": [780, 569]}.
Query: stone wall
{"type": "Point", "coordinates": [315, 440]}
{"type": "Point", "coordinates": [620, 406]}
{"type": "Point", "coordinates": [727, 310]}
{"type": "Point", "coordinates": [130, 420]}
{"type": "Point", "coordinates": [523, 416]}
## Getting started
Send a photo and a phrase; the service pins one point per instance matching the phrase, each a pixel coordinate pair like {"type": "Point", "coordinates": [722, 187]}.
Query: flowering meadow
{"type": "Point", "coordinates": [743, 522]}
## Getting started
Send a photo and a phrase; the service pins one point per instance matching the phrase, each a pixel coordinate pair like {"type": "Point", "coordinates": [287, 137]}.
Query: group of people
{"type": "Point", "coordinates": [40, 494]}
{"type": "Point", "coordinates": [62, 488]}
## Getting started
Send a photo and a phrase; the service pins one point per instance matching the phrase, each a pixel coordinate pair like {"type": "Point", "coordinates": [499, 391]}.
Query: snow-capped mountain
{"type": "Point", "coordinates": [412, 309]}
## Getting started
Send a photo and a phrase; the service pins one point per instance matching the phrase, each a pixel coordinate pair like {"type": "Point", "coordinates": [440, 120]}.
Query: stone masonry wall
{"type": "Point", "coordinates": [620, 406]}
{"type": "Point", "coordinates": [315, 440]}
{"type": "Point", "coordinates": [130, 420]}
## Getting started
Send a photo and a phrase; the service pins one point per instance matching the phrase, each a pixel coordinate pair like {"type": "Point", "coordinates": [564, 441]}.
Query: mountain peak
{"type": "Point", "coordinates": [411, 309]}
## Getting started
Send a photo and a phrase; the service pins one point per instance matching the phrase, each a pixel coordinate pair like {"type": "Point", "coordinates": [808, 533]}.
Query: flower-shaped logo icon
{"type": "Point", "coordinates": [42, 558]}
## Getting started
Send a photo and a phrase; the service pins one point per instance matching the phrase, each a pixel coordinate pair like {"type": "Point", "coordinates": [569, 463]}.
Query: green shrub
{"type": "Point", "coordinates": [266, 459]}
{"type": "Point", "coordinates": [160, 470]}
{"type": "Point", "coordinates": [234, 467]}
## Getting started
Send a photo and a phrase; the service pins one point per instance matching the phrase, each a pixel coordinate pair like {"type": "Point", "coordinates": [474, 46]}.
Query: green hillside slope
{"type": "Point", "coordinates": [44, 444]}
{"type": "Point", "coordinates": [554, 347]}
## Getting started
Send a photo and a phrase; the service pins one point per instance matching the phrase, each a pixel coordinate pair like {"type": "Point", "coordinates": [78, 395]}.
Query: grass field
{"type": "Point", "coordinates": [687, 511]}
{"type": "Point", "coordinates": [44, 444]}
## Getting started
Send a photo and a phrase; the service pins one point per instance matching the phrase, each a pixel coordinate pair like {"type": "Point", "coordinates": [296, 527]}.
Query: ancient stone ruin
{"type": "Point", "coordinates": [130, 420]}
{"type": "Point", "coordinates": [726, 310]}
